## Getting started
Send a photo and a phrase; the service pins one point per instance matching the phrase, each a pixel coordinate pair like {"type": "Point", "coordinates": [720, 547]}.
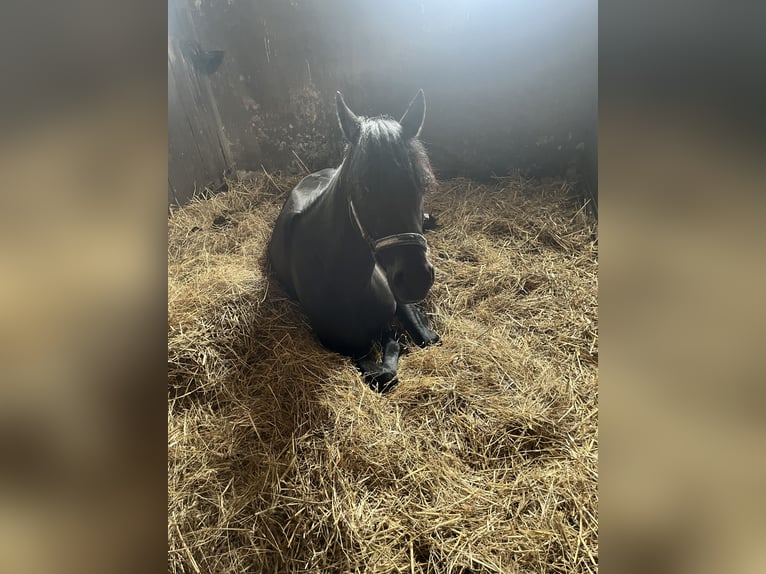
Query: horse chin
{"type": "Point", "coordinates": [408, 298]}
{"type": "Point", "coordinates": [408, 301]}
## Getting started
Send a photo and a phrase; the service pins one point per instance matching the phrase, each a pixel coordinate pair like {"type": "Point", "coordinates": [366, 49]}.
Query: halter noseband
{"type": "Point", "coordinates": [396, 240]}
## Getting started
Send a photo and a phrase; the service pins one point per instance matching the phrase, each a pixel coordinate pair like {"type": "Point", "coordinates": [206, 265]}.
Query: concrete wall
{"type": "Point", "coordinates": [510, 85]}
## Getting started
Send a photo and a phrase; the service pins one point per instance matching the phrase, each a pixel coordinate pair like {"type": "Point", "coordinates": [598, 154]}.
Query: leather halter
{"type": "Point", "coordinates": [396, 240]}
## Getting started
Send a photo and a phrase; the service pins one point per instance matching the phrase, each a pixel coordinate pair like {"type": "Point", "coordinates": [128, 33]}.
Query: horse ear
{"type": "Point", "coordinates": [412, 120]}
{"type": "Point", "coordinates": [349, 122]}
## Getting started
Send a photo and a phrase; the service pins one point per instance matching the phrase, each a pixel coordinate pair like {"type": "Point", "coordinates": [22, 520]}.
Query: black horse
{"type": "Point", "coordinates": [349, 245]}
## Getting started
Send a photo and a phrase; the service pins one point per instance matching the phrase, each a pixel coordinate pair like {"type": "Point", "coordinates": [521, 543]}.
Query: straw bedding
{"type": "Point", "coordinates": [483, 459]}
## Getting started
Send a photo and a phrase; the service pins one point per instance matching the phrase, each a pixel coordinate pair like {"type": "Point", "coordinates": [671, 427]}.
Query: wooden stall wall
{"type": "Point", "coordinates": [510, 85]}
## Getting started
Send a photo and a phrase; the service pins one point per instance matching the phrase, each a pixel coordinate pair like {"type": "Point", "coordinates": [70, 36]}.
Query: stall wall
{"type": "Point", "coordinates": [510, 86]}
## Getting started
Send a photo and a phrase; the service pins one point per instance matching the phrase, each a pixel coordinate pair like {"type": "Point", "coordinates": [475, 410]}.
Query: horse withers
{"type": "Point", "coordinates": [349, 245]}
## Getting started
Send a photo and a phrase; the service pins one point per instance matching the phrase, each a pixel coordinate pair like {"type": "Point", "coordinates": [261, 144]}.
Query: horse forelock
{"type": "Point", "coordinates": [380, 152]}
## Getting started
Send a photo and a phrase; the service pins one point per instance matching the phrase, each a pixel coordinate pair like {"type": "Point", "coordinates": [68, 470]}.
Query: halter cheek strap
{"type": "Point", "coordinates": [396, 240]}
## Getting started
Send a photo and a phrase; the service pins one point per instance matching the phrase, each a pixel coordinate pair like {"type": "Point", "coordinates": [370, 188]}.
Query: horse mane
{"type": "Point", "coordinates": [380, 147]}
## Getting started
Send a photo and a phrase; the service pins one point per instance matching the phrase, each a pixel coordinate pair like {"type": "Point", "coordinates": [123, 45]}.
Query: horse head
{"type": "Point", "coordinates": [384, 175]}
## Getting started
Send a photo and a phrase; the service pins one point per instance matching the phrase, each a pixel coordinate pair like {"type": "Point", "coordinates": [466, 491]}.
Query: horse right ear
{"type": "Point", "coordinates": [349, 122]}
{"type": "Point", "coordinates": [412, 120]}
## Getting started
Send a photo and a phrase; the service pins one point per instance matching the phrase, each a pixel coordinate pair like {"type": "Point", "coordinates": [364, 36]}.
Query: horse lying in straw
{"type": "Point", "coordinates": [349, 245]}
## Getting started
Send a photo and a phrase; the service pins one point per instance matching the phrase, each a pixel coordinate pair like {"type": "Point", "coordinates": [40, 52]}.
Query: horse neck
{"type": "Point", "coordinates": [353, 257]}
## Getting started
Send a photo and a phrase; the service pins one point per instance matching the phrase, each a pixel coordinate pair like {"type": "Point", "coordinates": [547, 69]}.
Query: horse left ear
{"type": "Point", "coordinates": [412, 120]}
{"type": "Point", "coordinates": [349, 122]}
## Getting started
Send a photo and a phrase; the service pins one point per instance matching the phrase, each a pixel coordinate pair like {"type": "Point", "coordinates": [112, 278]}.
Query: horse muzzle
{"type": "Point", "coordinates": [412, 285]}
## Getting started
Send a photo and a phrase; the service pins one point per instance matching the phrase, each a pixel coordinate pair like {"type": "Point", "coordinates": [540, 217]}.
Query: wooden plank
{"type": "Point", "coordinates": [186, 167]}
{"type": "Point", "coordinates": [196, 156]}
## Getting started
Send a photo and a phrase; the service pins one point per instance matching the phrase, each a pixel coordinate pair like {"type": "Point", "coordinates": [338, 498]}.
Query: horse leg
{"type": "Point", "coordinates": [382, 377]}
{"type": "Point", "coordinates": [415, 323]}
